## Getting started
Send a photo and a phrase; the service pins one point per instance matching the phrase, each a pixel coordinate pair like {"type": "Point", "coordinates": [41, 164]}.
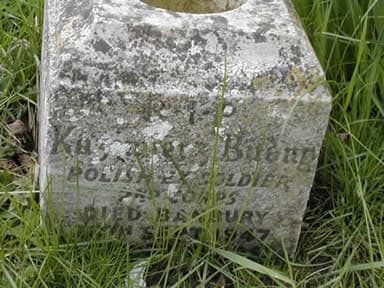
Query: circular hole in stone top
{"type": "Point", "coordinates": [196, 6]}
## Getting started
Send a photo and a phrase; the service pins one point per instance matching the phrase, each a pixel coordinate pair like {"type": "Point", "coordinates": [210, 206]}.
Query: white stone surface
{"type": "Point", "coordinates": [126, 86]}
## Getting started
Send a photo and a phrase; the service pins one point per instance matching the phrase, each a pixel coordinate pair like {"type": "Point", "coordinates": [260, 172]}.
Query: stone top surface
{"type": "Point", "coordinates": [261, 48]}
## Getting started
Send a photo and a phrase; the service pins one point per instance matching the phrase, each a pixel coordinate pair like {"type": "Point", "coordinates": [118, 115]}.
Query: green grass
{"type": "Point", "coordinates": [342, 242]}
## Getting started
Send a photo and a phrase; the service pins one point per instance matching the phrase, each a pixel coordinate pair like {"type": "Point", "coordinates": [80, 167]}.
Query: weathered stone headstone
{"type": "Point", "coordinates": [129, 101]}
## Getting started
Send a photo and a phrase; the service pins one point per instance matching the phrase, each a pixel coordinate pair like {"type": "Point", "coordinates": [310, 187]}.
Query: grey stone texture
{"type": "Point", "coordinates": [129, 100]}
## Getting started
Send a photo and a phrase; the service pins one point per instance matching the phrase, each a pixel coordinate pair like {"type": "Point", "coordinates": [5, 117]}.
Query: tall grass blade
{"type": "Point", "coordinates": [249, 264]}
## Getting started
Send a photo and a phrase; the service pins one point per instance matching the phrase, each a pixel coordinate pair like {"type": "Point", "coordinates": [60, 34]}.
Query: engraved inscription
{"type": "Point", "coordinates": [117, 215]}
{"type": "Point", "coordinates": [152, 169]}
{"type": "Point", "coordinates": [234, 149]}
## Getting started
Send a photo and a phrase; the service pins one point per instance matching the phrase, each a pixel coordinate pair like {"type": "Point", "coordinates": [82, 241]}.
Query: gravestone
{"type": "Point", "coordinates": [130, 98]}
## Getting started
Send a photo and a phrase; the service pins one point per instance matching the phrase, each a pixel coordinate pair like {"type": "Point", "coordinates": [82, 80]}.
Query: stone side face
{"type": "Point", "coordinates": [129, 102]}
